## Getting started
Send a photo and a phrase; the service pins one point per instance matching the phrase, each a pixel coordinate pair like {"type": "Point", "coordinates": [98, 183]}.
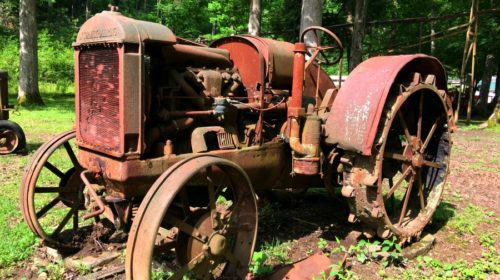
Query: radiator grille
{"type": "Point", "coordinates": [99, 98]}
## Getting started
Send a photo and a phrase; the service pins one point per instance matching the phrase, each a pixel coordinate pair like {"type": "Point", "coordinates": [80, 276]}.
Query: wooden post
{"type": "Point", "coordinates": [470, 47]}
{"type": "Point", "coordinates": [475, 8]}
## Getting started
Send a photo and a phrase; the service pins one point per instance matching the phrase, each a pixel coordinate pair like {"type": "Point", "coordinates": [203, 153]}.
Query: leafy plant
{"type": "Point", "coordinates": [322, 244]}
{"type": "Point", "coordinates": [393, 249]}
{"type": "Point", "coordinates": [258, 267]}
{"type": "Point", "coordinates": [336, 271]}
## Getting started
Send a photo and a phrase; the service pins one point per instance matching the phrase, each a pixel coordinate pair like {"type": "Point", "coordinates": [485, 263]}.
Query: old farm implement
{"type": "Point", "coordinates": [12, 137]}
{"type": "Point", "coordinates": [173, 138]}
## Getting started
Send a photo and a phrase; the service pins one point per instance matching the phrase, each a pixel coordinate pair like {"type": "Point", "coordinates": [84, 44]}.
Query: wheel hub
{"type": "Point", "coordinates": [217, 244]}
{"type": "Point", "coordinates": [72, 186]}
{"type": "Point", "coordinates": [8, 141]}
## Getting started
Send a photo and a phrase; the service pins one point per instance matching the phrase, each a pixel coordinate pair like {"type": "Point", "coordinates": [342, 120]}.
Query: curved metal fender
{"type": "Point", "coordinates": [355, 114]}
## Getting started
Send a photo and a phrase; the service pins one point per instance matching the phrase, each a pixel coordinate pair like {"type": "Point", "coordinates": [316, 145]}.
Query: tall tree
{"type": "Point", "coordinates": [254, 19]}
{"type": "Point", "coordinates": [358, 33]}
{"type": "Point", "coordinates": [311, 14]}
{"type": "Point", "coordinates": [28, 54]}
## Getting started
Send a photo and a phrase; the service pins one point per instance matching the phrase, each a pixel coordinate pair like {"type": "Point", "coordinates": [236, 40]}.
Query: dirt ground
{"type": "Point", "coordinates": [301, 223]}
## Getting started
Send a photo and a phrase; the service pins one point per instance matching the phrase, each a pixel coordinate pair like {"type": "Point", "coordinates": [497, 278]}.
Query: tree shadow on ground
{"type": "Point", "coordinates": [286, 219]}
{"type": "Point", "coordinates": [53, 101]}
{"type": "Point", "coordinates": [443, 214]}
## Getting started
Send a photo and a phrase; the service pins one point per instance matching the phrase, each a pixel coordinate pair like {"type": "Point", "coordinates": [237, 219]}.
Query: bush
{"type": "Point", "coordinates": [55, 61]}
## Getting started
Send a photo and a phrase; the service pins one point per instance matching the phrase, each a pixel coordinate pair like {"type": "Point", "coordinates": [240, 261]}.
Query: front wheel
{"type": "Point", "coordinates": [52, 198]}
{"type": "Point", "coordinates": [199, 220]}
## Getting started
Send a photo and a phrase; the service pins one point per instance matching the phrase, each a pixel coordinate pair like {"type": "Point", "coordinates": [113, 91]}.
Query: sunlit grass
{"type": "Point", "coordinates": [40, 123]}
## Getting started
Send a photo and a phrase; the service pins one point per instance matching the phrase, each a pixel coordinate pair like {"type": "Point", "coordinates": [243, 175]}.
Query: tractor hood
{"type": "Point", "coordinates": [113, 27]}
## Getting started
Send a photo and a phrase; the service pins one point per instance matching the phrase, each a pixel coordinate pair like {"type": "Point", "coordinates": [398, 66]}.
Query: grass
{"type": "Point", "coordinates": [467, 221]}
{"type": "Point", "coordinates": [39, 123]}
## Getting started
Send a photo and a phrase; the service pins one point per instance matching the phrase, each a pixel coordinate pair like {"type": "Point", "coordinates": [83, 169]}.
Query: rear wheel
{"type": "Point", "coordinates": [410, 163]}
{"type": "Point", "coordinates": [198, 220]}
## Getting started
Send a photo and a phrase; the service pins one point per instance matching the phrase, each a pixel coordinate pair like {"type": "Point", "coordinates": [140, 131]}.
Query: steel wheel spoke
{"type": "Point", "coordinates": [420, 189]}
{"type": "Point", "coordinates": [46, 190]}
{"type": "Point", "coordinates": [395, 156]}
{"type": "Point", "coordinates": [51, 190]}
{"type": "Point", "coordinates": [185, 227]}
{"type": "Point", "coordinates": [419, 123]}
{"type": "Point", "coordinates": [211, 197]}
{"type": "Point", "coordinates": [405, 127]}
{"type": "Point", "coordinates": [63, 223]}
{"type": "Point", "coordinates": [398, 183]}
{"type": "Point", "coordinates": [54, 169]}
{"type": "Point", "coordinates": [71, 154]}
{"type": "Point", "coordinates": [432, 164]}
{"type": "Point", "coordinates": [187, 267]}
{"type": "Point", "coordinates": [429, 136]}
{"type": "Point", "coordinates": [407, 198]}
{"type": "Point", "coordinates": [185, 201]}
{"type": "Point", "coordinates": [47, 207]}
{"type": "Point", "coordinates": [75, 220]}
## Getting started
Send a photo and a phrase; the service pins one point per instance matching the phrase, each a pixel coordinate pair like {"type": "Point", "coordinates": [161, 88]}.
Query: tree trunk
{"type": "Point", "coordinates": [254, 19]}
{"type": "Point", "coordinates": [311, 14]}
{"type": "Point", "coordinates": [358, 33]}
{"type": "Point", "coordinates": [488, 72]}
{"type": "Point", "coordinates": [494, 119]}
{"type": "Point", "coordinates": [28, 57]}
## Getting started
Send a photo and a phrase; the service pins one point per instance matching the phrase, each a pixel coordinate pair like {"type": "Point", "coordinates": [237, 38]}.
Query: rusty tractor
{"type": "Point", "coordinates": [173, 138]}
{"type": "Point", "coordinates": [12, 137]}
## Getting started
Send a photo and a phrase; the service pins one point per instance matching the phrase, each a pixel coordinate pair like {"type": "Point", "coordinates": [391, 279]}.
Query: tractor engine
{"type": "Point", "coordinates": [145, 98]}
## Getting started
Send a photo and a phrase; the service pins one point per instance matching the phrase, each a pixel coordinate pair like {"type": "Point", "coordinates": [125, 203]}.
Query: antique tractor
{"type": "Point", "coordinates": [173, 138]}
{"type": "Point", "coordinates": [12, 137]}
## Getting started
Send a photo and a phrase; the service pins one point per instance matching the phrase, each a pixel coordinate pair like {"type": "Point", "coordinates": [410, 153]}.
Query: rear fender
{"type": "Point", "coordinates": [356, 111]}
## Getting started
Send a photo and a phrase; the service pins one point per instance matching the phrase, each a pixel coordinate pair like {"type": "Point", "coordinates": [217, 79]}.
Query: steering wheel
{"type": "Point", "coordinates": [319, 52]}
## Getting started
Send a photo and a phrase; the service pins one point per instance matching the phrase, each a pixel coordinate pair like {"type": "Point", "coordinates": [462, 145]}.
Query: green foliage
{"type": "Point", "coordinates": [388, 251]}
{"type": "Point", "coordinates": [322, 244]}
{"type": "Point", "coordinates": [467, 221]}
{"type": "Point", "coordinates": [258, 266]}
{"type": "Point", "coordinates": [270, 254]}
{"type": "Point", "coordinates": [483, 268]}
{"type": "Point", "coordinates": [336, 271]}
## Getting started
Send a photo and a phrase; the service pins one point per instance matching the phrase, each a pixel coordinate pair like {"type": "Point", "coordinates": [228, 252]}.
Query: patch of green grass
{"type": "Point", "coordinates": [430, 268]}
{"type": "Point", "coordinates": [39, 123]}
{"type": "Point", "coordinates": [467, 221]}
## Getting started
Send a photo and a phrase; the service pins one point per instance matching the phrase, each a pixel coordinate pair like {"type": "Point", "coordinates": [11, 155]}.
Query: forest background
{"type": "Point", "coordinates": [426, 28]}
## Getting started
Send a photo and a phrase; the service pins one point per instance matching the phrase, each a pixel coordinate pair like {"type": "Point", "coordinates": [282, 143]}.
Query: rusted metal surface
{"type": "Point", "coordinates": [223, 236]}
{"type": "Point", "coordinates": [142, 173]}
{"type": "Point", "coordinates": [313, 266]}
{"type": "Point", "coordinates": [358, 107]}
{"type": "Point", "coordinates": [113, 27]}
{"type": "Point", "coordinates": [376, 184]}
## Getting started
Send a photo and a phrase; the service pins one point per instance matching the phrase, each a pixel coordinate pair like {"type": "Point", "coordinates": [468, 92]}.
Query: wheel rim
{"type": "Point", "coordinates": [8, 141]}
{"type": "Point", "coordinates": [203, 224]}
{"type": "Point", "coordinates": [413, 162]}
{"type": "Point", "coordinates": [52, 197]}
